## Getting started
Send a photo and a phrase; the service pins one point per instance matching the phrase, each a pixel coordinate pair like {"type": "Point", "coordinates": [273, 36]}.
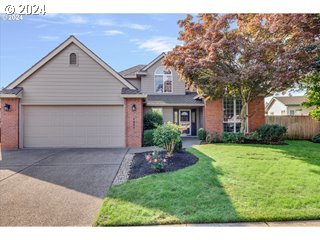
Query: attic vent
{"type": "Point", "coordinates": [73, 59]}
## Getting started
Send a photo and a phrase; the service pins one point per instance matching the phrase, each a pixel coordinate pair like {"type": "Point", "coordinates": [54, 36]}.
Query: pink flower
{"type": "Point", "coordinates": [156, 160]}
{"type": "Point", "coordinates": [164, 160]}
{"type": "Point", "coordinates": [148, 157]}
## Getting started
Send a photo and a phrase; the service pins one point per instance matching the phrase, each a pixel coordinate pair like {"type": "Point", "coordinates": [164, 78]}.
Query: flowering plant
{"type": "Point", "coordinates": [156, 161]}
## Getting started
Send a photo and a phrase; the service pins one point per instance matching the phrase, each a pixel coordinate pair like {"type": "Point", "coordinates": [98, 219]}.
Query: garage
{"type": "Point", "coordinates": [73, 126]}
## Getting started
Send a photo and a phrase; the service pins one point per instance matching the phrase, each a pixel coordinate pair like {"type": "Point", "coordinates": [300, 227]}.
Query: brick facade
{"type": "Point", "coordinates": [213, 116]}
{"type": "Point", "coordinates": [134, 122]}
{"type": "Point", "coordinates": [256, 112]}
{"type": "Point", "coordinates": [10, 124]}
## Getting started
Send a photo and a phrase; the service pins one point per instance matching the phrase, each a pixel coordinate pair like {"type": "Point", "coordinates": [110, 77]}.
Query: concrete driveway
{"type": "Point", "coordinates": [55, 187]}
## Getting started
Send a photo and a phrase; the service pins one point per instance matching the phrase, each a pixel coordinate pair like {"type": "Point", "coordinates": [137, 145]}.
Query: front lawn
{"type": "Point", "coordinates": [230, 183]}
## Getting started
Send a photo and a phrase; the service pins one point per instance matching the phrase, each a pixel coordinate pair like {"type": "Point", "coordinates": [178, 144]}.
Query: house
{"type": "Point", "coordinates": [72, 98]}
{"type": "Point", "coordinates": [287, 105]}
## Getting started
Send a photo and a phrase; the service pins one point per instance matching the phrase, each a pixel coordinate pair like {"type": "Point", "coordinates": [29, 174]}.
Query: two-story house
{"type": "Point", "coordinates": [166, 93]}
{"type": "Point", "coordinates": [72, 98]}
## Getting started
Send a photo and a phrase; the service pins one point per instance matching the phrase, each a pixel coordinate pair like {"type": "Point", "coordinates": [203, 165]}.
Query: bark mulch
{"type": "Point", "coordinates": [140, 167]}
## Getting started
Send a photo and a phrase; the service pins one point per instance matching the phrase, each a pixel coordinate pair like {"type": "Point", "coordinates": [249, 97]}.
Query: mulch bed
{"type": "Point", "coordinates": [140, 167]}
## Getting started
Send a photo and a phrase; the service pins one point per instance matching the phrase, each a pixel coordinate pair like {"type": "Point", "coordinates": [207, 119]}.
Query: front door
{"type": "Point", "coordinates": [185, 121]}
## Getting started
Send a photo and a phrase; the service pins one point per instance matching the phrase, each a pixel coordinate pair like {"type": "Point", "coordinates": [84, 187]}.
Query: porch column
{"type": "Point", "coordinates": [133, 121]}
{"type": "Point", "coordinates": [256, 112]}
{"type": "Point", "coordinates": [10, 123]}
{"type": "Point", "coordinates": [213, 116]}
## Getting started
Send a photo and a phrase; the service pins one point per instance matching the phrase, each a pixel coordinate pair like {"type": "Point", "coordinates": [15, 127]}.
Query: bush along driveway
{"type": "Point", "coordinates": [230, 183]}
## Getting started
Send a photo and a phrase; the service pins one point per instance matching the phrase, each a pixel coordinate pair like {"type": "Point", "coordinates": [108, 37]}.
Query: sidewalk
{"type": "Point", "coordinates": [306, 223]}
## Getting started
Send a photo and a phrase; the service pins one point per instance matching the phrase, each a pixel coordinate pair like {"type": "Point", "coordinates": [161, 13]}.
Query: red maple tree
{"type": "Point", "coordinates": [244, 55]}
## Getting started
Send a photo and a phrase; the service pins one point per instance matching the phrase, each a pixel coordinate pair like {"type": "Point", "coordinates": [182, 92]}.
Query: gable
{"type": "Point", "coordinates": [147, 80]}
{"type": "Point", "coordinates": [56, 82]}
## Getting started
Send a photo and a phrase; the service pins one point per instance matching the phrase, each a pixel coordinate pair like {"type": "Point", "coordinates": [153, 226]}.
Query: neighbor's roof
{"type": "Point", "coordinates": [57, 50]}
{"type": "Point", "coordinates": [131, 72]}
{"type": "Point", "coordinates": [288, 100]}
{"type": "Point", "coordinates": [292, 100]}
{"type": "Point", "coordinates": [174, 100]}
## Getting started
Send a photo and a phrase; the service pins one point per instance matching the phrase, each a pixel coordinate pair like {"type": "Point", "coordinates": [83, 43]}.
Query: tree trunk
{"type": "Point", "coordinates": [244, 117]}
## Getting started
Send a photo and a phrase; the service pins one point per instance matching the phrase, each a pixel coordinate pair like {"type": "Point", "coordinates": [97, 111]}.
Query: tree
{"type": "Point", "coordinates": [311, 83]}
{"type": "Point", "coordinates": [244, 55]}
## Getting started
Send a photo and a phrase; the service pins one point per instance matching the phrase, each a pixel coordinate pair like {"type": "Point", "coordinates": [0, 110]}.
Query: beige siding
{"type": "Point", "coordinates": [58, 83]}
{"type": "Point", "coordinates": [73, 126]}
{"type": "Point", "coordinates": [147, 82]}
{"type": "Point", "coordinates": [135, 82]}
{"type": "Point", "coordinates": [167, 114]}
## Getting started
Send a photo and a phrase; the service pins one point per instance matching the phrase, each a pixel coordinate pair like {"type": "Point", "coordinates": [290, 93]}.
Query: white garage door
{"type": "Point", "coordinates": [73, 126]}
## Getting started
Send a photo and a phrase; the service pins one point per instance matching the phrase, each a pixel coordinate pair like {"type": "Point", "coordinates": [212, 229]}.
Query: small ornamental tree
{"type": "Point", "coordinates": [167, 136]}
{"type": "Point", "coordinates": [244, 55]}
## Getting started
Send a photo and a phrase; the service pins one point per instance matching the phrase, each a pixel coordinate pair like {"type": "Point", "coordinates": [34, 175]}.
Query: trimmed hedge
{"type": "Point", "coordinates": [148, 138]}
{"type": "Point", "coordinates": [232, 137]}
{"type": "Point", "coordinates": [271, 133]}
{"type": "Point", "coordinates": [152, 119]}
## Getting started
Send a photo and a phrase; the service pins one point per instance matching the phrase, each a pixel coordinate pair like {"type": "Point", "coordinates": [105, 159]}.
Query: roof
{"type": "Point", "coordinates": [14, 91]}
{"type": "Point", "coordinates": [130, 91]}
{"type": "Point", "coordinates": [288, 100]}
{"type": "Point", "coordinates": [57, 50]}
{"type": "Point", "coordinates": [131, 72]}
{"type": "Point", "coordinates": [140, 69]}
{"type": "Point", "coordinates": [174, 100]}
{"type": "Point", "coordinates": [145, 68]}
{"type": "Point", "coordinates": [11, 93]}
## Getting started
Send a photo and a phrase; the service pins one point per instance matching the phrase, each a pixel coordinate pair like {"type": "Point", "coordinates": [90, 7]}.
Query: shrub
{"type": "Point", "coordinates": [178, 147]}
{"type": "Point", "coordinates": [152, 119]}
{"type": "Point", "coordinates": [271, 133]}
{"type": "Point", "coordinates": [202, 134]}
{"type": "Point", "coordinates": [167, 136]}
{"type": "Point", "coordinates": [156, 161]}
{"type": "Point", "coordinates": [316, 138]}
{"type": "Point", "coordinates": [254, 136]}
{"type": "Point", "coordinates": [213, 137]}
{"type": "Point", "coordinates": [232, 137]}
{"type": "Point", "coordinates": [148, 138]}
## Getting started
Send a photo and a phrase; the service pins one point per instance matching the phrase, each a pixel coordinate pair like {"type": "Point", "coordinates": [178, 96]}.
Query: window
{"type": "Point", "coordinates": [231, 115]}
{"type": "Point", "coordinates": [291, 112]}
{"type": "Point", "coordinates": [73, 59]}
{"type": "Point", "coordinates": [163, 80]}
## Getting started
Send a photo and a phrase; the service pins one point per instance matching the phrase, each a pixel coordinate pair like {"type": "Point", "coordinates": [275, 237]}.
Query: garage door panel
{"type": "Point", "coordinates": [73, 126]}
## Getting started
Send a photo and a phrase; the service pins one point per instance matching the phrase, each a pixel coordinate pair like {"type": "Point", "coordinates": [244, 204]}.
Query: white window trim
{"type": "Point", "coordinates": [186, 110]}
{"type": "Point", "coordinates": [234, 114]}
{"type": "Point", "coordinates": [154, 81]}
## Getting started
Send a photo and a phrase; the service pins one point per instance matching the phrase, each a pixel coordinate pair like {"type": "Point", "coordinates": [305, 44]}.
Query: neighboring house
{"type": "Point", "coordinates": [287, 105]}
{"type": "Point", "coordinates": [72, 98]}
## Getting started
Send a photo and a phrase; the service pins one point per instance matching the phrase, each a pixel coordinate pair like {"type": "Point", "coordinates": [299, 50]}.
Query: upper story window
{"type": "Point", "coordinates": [163, 80]}
{"type": "Point", "coordinates": [73, 59]}
{"type": "Point", "coordinates": [231, 115]}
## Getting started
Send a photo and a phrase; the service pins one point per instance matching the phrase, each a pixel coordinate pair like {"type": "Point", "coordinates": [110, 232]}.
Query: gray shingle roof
{"type": "Point", "coordinates": [292, 100]}
{"type": "Point", "coordinates": [174, 100]}
{"type": "Point", "coordinates": [131, 72]}
{"type": "Point", "coordinates": [14, 91]}
{"type": "Point", "coordinates": [126, 90]}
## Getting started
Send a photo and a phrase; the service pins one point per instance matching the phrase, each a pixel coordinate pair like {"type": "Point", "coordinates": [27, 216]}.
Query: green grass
{"type": "Point", "coordinates": [230, 183]}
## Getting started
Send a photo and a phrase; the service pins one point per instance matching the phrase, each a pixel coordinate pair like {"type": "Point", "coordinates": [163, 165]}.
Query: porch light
{"type": "Point", "coordinates": [133, 108]}
{"type": "Point", "coordinates": [7, 107]}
